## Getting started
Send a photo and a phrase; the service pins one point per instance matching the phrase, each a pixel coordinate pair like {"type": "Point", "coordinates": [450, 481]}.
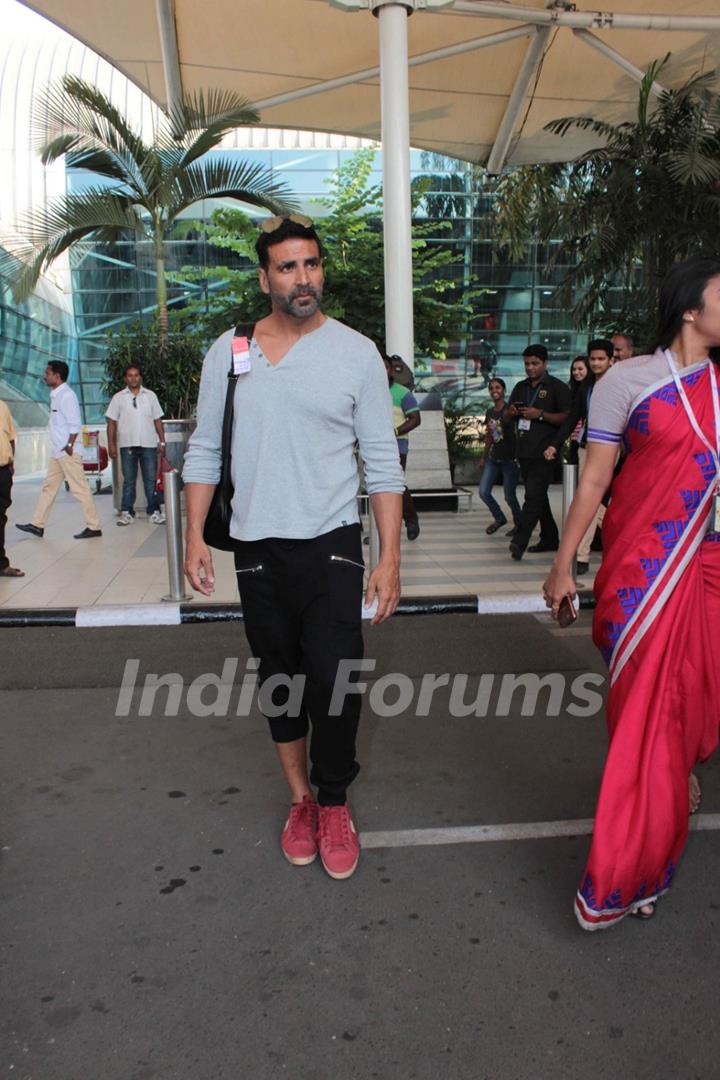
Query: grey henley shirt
{"type": "Point", "coordinates": [295, 428]}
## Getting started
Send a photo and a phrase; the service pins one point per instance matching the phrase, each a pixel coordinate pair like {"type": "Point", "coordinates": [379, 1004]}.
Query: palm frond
{"type": "Point", "coordinates": [202, 122]}
{"type": "Point", "coordinates": [692, 166]}
{"type": "Point", "coordinates": [76, 105]}
{"type": "Point", "coordinates": [252, 184]}
{"type": "Point", "coordinates": [582, 123]}
{"type": "Point", "coordinates": [654, 69]}
{"type": "Point", "coordinates": [205, 109]}
{"type": "Point", "coordinates": [99, 162]}
{"type": "Point", "coordinates": [82, 212]}
{"type": "Point", "coordinates": [72, 115]}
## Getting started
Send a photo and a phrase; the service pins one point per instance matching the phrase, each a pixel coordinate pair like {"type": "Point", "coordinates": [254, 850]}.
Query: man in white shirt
{"type": "Point", "coordinates": [135, 428]}
{"type": "Point", "coordinates": [65, 462]}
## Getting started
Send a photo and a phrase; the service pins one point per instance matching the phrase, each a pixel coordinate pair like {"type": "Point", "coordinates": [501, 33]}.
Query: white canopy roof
{"type": "Point", "coordinates": [482, 75]}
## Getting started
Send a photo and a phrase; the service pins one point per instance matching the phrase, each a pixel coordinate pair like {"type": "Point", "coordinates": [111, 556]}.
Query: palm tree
{"type": "Point", "coordinates": [624, 212]}
{"type": "Point", "coordinates": [150, 182]}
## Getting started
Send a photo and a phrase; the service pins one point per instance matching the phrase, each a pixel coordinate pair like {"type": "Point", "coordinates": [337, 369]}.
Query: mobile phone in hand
{"type": "Point", "coordinates": [566, 612]}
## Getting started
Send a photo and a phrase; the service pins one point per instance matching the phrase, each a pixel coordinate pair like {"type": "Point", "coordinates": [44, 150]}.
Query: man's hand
{"type": "Point", "coordinates": [550, 454]}
{"type": "Point", "coordinates": [531, 413]}
{"type": "Point", "coordinates": [112, 452]}
{"type": "Point", "coordinates": [384, 584]}
{"type": "Point", "coordinates": [199, 565]}
{"type": "Point", "coordinates": [69, 449]}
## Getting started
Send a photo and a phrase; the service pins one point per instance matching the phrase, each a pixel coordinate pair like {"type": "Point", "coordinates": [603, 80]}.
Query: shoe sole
{"type": "Point", "coordinates": [299, 860]}
{"type": "Point", "coordinates": [642, 915]}
{"type": "Point", "coordinates": [340, 876]}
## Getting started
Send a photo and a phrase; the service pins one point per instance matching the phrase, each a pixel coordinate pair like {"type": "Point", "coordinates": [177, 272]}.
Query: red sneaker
{"type": "Point", "coordinates": [337, 841]}
{"type": "Point", "coordinates": [299, 837]}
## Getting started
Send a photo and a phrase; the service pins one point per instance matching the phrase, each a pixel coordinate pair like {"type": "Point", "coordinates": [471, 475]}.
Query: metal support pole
{"type": "Point", "coordinates": [528, 70]}
{"type": "Point", "coordinates": [117, 483]}
{"type": "Point", "coordinates": [171, 481]}
{"type": "Point", "coordinates": [395, 110]}
{"type": "Point", "coordinates": [167, 32]}
{"type": "Point", "coordinates": [614, 57]}
{"type": "Point", "coordinates": [569, 484]}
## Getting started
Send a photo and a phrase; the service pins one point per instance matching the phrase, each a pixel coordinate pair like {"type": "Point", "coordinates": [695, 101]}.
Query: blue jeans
{"type": "Point", "coordinates": [492, 472]}
{"type": "Point", "coordinates": [129, 458]}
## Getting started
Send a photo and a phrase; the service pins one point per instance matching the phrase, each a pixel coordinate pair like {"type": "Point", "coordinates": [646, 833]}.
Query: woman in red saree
{"type": "Point", "coordinates": [658, 594]}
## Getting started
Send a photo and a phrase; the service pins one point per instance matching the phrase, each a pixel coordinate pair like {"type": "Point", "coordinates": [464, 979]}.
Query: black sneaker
{"type": "Point", "coordinates": [582, 568]}
{"type": "Point", "coordinates": [516, 552]}
{"type": "Point", "coordinates": [412, 529]}
{"type": "Point", "coordinates": [30, 528]}
{"type": "Point", "coordinates": [511, 532]}
{"type": "Point", "coordinates": [537, 548]}
{"type": "Point", "coordinates": [87, 534]}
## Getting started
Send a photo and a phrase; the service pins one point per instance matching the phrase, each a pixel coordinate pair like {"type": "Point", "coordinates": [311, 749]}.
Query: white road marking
{"type": "Point", "coordinates": [482, 834]}
{"type": "Point", "coordinates": [128, 615]}
{"type": "Point", "coordinates": [510, 604]}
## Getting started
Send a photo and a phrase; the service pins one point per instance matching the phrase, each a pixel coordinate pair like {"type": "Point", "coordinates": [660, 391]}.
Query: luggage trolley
{"type": "Point", "coordinates": [94, 457]}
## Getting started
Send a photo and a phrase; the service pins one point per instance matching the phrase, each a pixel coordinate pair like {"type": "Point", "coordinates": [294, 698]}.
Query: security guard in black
{"type": "Point", "coordinates": [540, 404]}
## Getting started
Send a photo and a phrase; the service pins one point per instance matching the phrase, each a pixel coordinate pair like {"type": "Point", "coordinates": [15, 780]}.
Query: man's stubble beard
{"type": "Point", "coordinates": [289, 307]}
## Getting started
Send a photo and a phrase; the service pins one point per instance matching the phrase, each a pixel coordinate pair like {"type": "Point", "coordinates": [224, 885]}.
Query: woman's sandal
{"type": "Point", "coordinates": [638, 913]}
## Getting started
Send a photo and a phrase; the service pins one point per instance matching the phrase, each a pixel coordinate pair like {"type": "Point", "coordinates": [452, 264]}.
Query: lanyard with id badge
{"type": "Point", "coordinates": [714, 450]}
{"type": "Point", "coordinates": [523, 424]}
{"type": "Point", "coordinates": [241, 362]}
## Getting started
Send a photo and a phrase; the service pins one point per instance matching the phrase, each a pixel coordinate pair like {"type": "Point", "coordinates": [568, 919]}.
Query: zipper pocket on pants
{"type": "Point", "coordinates": [251, 569]}
{"type": "Point", "coordinates": [343, 559]}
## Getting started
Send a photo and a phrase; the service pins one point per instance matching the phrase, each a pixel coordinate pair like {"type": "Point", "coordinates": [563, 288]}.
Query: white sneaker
{"type": "Point", "coordinates": [158, 517]}
{"type": "Point", "coordinates": [125, 518]}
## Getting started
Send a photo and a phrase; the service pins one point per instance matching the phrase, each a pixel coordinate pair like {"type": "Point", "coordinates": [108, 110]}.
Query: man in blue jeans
{"type": "Point", "coordinates": [500, 450]}
{"type": "Point", "coordinates": [135, 428]}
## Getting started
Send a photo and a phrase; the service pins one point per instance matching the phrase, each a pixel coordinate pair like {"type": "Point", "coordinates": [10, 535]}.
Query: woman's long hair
{"type": "Point", "coordinates": [576, 387]}
{"type": "Point", "coordinates": [682, 290]}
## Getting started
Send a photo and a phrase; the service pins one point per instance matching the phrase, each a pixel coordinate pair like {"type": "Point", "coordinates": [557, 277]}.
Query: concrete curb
{"type": "Point", "coordinates": [179, 614]}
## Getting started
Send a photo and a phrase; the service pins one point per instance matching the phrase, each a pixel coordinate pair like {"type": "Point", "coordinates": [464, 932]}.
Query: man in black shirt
{"type": "Point", "coordinates": [541, 404]}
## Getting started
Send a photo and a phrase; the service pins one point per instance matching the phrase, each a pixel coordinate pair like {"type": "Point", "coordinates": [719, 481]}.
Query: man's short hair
{"type": "Point", "coordinates": [288, 228]}
{"type": "Point", "coordinates": [601, 345]}
{"type": "Point", "coordinates": [538, 351]}
{"type": "Point", "coordinates": [133, 367]}
{"type": "Point", "coordinates": [59, 367]}
{"type": "Point", "coordinates": [628, 337]}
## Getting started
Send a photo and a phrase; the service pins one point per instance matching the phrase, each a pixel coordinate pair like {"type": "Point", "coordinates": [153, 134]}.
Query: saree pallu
{"type": "Point", "coordinates": [658, 603]}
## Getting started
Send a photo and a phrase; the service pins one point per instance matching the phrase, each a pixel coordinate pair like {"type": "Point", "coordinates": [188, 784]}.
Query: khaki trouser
{"type": "Point", "coordinates": [583, 551]}
{"type": "Point", "coordinates": [70, 469]}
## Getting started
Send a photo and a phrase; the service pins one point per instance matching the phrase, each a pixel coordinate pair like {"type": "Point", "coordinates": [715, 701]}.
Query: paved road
{"type": "Point", "coordinates": [152, 930]}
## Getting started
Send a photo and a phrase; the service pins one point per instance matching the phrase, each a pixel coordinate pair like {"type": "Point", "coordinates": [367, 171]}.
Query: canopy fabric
{"type": "Point", "coordinates": [458, 104]}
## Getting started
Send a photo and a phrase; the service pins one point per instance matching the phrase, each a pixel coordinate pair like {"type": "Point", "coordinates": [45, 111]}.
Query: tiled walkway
{"type": "Point", "coordinates": [128, 565]}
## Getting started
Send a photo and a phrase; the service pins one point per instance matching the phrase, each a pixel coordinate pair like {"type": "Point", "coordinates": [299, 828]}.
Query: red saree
{"type": "Point", "coordinates": [658, 602]}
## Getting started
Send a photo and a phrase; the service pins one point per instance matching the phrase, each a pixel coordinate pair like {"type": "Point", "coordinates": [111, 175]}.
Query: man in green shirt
{"type": "Point", "coordinates": [406, 417]}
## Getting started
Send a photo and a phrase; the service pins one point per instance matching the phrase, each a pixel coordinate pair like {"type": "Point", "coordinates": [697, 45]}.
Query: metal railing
{"type": "Point", "coordinates": [570, 473]}
{"type": "Point", "coordinates": [173, 515]}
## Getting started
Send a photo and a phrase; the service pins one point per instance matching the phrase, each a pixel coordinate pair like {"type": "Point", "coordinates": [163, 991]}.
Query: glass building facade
{"type": "Point", "coordinates": [31, 334]}
{"type": "Point", "coordinates": [115, 284]}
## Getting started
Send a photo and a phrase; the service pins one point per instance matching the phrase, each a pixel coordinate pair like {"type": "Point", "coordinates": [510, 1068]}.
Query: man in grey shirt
{"type": "Point", "coordinates": [308, 390]}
